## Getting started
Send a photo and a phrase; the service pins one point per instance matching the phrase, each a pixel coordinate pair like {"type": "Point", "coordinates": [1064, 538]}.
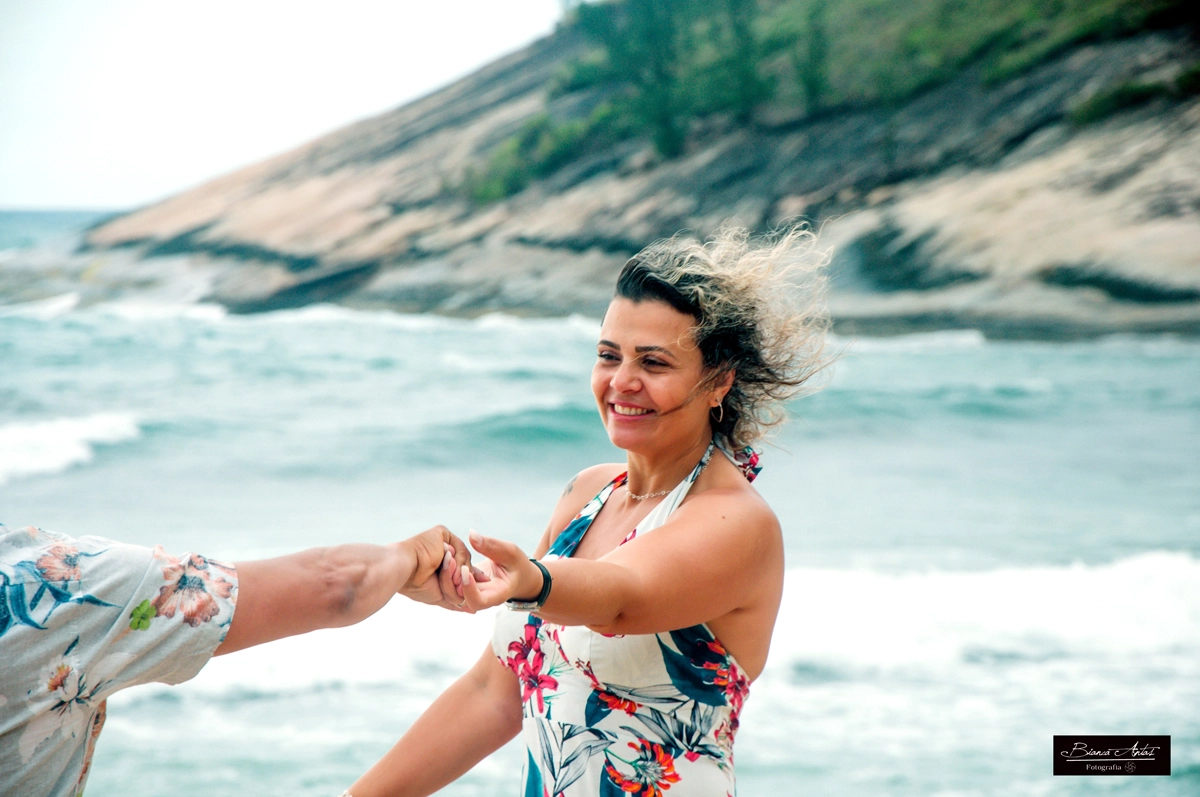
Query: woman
{"type": "Point", "coordinates": [637, 635]}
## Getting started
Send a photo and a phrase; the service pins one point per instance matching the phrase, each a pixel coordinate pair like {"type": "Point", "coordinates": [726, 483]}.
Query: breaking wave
{"type": "Point", "coordinates": [46, 447]}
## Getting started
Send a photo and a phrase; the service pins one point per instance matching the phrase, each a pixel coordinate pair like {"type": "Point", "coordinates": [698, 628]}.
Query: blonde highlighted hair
{"type": "Point", "coordinates": [759, 310]}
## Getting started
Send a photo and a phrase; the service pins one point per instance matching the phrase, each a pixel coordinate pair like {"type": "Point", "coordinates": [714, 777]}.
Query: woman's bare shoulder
{"type": "Point", "coordinates": [730, 524]}
{"type": "Point", "coordinates": [585, 484]}
{"type": "Point", "coordinates": [582, 487]}
{"type": "Point", "coordinates": [727, 491]}
{"type": "Point", "coordinates": [747, 504]}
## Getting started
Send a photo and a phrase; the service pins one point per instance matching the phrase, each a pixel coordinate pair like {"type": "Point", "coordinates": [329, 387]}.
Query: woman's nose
{"type": "Point", "coordinates": [626, 379]}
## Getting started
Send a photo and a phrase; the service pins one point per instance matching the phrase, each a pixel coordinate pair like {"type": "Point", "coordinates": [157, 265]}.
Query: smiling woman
{"type": "Point", "coordinates": [629, 655]}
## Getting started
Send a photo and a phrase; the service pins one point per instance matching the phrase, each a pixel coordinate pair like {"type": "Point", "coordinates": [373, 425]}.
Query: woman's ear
{"type": "Point", "coordinates": [724, 383]}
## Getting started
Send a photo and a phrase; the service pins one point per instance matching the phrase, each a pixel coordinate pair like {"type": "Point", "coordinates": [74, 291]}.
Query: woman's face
{"type": "Point", "coordinates": [649, 375]}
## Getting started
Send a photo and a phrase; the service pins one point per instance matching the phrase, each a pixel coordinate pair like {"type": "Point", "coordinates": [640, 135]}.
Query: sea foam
{"type": "Point", "coordinates": [858, 620]}
{"type": "Point", "coordinates": [45, 447]}
{"type": "Point", "coordinates": [42, 309]}
{"type": "Point", "coordinates": [158, 311]}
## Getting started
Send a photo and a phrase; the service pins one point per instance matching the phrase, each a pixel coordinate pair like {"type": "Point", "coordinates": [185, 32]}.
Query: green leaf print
{"type": "Point", "coordinates": [139, 619]}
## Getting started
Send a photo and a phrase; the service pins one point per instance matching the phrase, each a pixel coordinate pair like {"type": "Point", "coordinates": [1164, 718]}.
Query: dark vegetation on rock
{"type": "Point", "coordinates": [891, 262]}
{"type": "Point", "coordinates": [661, 65]}
{"type": "Point", "coordinates": [1117, 286]}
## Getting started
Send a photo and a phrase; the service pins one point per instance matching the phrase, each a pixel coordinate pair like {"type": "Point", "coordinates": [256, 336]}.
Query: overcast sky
{"type": "Point", "coordinates": [113, 103]}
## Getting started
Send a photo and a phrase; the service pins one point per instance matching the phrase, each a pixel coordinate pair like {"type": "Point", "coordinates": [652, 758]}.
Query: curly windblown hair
{"type": "Point", "coordinates": [759, 310]}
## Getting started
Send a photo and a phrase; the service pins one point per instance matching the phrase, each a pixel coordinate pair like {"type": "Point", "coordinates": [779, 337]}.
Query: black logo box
{"type": "Point", "coordinates": [1112, 755]}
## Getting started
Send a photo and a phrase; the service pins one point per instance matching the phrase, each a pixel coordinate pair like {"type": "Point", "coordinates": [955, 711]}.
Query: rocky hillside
{"type": "Point", "coordinates": [1064, 201]}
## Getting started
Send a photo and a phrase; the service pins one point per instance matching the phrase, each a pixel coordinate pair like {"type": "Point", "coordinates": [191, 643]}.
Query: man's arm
{"type": "Point", "coordinates": [338, 586]}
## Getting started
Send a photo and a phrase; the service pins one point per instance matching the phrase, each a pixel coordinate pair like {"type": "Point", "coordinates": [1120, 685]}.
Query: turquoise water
{"type": "Point", "coordinates": [988, 543]}
{"type": "Point", "coordinates": [29, 229]}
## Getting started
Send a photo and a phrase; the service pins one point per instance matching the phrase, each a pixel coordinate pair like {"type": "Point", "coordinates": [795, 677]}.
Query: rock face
{"type": "Point", "coordinates": [972, 205]}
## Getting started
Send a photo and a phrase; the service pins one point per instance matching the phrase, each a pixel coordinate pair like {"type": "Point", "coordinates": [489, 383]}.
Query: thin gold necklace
{"type": "Point", "coordinates": [703, 464]}
{"type": "Point", "coordinates": [637, 497]}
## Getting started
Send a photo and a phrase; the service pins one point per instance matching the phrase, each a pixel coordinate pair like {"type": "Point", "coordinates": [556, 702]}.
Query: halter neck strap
{"type": "Point", "coordinates": [746, 459]}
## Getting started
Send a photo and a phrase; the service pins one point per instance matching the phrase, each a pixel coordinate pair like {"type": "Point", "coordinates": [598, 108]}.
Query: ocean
{"type": "Point", "coordinates": [988, 543]}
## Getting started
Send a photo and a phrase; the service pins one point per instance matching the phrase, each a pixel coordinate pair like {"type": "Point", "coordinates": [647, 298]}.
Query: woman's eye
{"type": "Point", "coordinates": [653, 363]}
{"type": "Point", "coordinates": [607, 355]}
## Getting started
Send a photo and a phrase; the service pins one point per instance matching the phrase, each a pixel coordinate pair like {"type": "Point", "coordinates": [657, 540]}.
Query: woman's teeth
{"type": "Point", "coordinates": [630, 410]}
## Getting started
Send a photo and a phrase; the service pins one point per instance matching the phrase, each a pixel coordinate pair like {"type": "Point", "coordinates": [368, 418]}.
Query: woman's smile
{"type": "Point", "coordinates": [629, 410]}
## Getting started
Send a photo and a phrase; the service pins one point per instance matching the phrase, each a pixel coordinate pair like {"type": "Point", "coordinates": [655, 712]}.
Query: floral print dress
{"type": "Point", "coordinates": [81, 619]}
{"type": "Point", "coordinates": [624, 715]}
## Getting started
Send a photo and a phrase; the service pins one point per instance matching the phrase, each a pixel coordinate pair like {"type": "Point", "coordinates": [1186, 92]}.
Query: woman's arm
{"type": "Point", "coordinates": [717, 554]}
{"type": "Point", "coordinates": [473, 718]}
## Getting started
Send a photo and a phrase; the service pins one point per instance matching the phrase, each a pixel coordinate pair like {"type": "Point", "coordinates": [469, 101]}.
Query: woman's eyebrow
{"type": "Point", "coordinates": [638, 349]}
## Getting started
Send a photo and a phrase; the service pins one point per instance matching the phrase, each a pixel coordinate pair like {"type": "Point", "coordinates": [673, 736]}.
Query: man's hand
{"type": "Point", "coordinates": [439, 557]}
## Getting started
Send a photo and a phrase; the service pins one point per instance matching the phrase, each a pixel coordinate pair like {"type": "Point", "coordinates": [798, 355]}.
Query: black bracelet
{"type": "Point", "coordinates": [540, 600]}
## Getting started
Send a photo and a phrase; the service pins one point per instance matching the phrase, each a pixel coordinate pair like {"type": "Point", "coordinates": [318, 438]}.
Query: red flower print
{"type": "Point", "coordinates": [190, 589]}
{"type": "Point", "coordinates": [518, 651]}
{"type": "Point", "coordinates": [554, 629]}
{"type": "Point", "coordinates": [533, 682]}
{"type": "Point", "coordinates": [617, 703]}
{"type": "Point", "coordinates": [59, 563]}
{"type": "Point", "coordinates": [725, 733]}
{"type": "Point", "coordinates": [614, 702]}
{"type": "Point", "coordinates": [731, 680]}
{"type": "Point", "coordinates": [727, 676]}
{"type": "Point", "coordinates": [626, 784]}
{"type": "Point", "coordinates": [653, 770]}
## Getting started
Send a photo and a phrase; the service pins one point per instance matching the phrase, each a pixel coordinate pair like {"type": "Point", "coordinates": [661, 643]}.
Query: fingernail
{"type": "Point", "coordinates": [475, 537]}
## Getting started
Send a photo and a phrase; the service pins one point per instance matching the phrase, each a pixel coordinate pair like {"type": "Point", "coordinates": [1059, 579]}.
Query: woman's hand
{"type": "Point", "coordinates": [508, 574]}
{"type": "Point", "coordinates": [438, 580]}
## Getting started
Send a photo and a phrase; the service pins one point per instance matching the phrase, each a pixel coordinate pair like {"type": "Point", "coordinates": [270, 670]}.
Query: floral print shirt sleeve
{"type": "Point", "coordinates": [81, 619]}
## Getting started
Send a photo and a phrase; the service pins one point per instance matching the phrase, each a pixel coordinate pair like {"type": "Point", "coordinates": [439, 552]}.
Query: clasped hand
{"type": "Point", "coordinates": [457, 584]}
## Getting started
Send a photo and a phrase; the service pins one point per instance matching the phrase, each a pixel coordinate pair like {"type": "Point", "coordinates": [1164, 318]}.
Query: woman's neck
{"type": "Point", "coordinates": [655, 471]}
